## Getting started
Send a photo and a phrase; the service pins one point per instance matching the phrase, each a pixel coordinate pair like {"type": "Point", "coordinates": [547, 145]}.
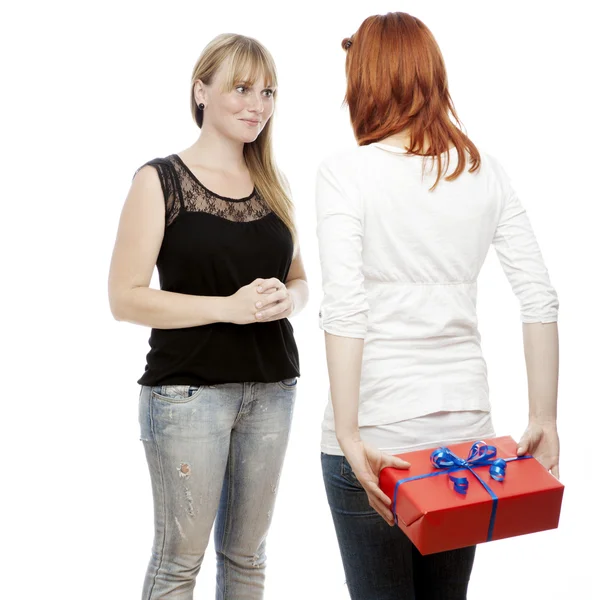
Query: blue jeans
{"type": "Point", "coordinates": [214, 452]}
{"type": "Point", "coordinates": [380, 562]}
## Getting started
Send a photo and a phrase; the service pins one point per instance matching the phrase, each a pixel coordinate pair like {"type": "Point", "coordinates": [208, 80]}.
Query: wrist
{"type": "Point", "coordinates": [222, 311]}
{"type": "Point", "coordinates": [298, 291]}
{"type": "Point", "coordinates": [348, 436]}
{"type": "Point", "coordinates": [543, 421]}
{"type": "Point", "coordinates": [292, 296]}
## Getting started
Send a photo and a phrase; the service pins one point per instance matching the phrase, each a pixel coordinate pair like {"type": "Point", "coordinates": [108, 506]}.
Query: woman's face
{"type": "Point", "coordinates": [239, 114]}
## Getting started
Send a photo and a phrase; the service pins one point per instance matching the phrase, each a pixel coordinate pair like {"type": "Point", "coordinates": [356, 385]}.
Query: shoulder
{"type": "Point", "coordinates": [489, 161]}
{"type": "Point", "coordinates": [147, 176]}
{"type": "Point", "coordinates": [345, 157]}
{"type": "Point", "coordinates": [156, 173]}
{"type": "Point", "coordinates": [146, 189]}
{"type": "Point", "coordinates": [156, 165]}
{"type": "Point", "coordinates": [340, 178]}
{"type": "Point", "coordinates": [492, 168]}
{"type": "Point", "coordinates": [347, 163]}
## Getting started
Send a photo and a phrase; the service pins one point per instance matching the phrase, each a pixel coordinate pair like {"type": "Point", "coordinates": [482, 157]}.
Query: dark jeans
{"type": "Point", "coordinates": [380, 562]}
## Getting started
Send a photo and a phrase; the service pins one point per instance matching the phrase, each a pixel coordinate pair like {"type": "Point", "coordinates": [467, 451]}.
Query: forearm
{"type": "Point", "coordinates": [168, 310]}
{"type": "Point", "coordinates": [344, 363]}
{"type": "Point", "coordinates": [540, 341]}
{"type": "Point", "coordinates": [298, 289]}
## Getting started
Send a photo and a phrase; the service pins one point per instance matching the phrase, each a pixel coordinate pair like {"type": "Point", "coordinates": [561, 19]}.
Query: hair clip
{"type": "Point", "coordinates": [347, 44]}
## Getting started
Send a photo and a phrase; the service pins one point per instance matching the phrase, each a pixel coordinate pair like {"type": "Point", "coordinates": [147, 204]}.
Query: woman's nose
{"type": "Point", "coordinates": [256, 103]}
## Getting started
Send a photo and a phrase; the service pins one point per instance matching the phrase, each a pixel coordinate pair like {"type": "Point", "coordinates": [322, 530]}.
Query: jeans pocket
{"type": "Point", "coordinates": [347, 473]}
{"type": "Point", "coordinates": [288, 384]}
{"type": "Point", "coordinates": [177, 394]}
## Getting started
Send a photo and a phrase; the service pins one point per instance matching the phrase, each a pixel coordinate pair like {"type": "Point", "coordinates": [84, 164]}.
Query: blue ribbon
{"type": "Point", "coordinates": [480, 455]}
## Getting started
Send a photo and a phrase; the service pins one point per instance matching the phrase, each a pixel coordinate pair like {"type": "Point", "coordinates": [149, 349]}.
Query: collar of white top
{"type": "Point", "coordinates": [399, 149]}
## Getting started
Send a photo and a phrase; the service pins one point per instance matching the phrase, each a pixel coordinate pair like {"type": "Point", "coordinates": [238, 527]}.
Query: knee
{"type": "Point", "coordinates": [170, 573]}
{"type": "Point", "coordinates": [244, 559]}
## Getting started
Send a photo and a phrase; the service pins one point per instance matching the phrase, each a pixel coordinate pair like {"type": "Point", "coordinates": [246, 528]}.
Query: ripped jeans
{"type": "Point", "coordinates": [213, 452]}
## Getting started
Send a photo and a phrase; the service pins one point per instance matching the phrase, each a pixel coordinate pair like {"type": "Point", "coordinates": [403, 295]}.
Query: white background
{"type": "Point", "coordinates": [91, 92]}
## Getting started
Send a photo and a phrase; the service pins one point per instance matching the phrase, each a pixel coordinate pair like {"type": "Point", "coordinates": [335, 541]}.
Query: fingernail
{"type": "Point", "coordinates": [519, 450]}
{"type": "Point", "coordinates": [260, 288]}
{"type": "Point", "coordinates": [258, 304]}
{"type": "Point", "coordinates": [258, 315]}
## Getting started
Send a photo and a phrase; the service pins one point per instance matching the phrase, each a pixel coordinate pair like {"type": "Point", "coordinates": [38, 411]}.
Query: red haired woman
{"type": "Point", "coordinates": [405, 221]}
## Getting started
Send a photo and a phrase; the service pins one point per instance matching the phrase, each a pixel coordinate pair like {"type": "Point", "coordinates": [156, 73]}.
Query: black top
{"type": "Point", "coordinates": [213, 246]}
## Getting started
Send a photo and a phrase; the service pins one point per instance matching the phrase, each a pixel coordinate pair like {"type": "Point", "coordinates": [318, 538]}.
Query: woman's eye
{"type": "Point", "coordinates": [268, 93]}
{"type": "Point", "coordinates": [241, 88]}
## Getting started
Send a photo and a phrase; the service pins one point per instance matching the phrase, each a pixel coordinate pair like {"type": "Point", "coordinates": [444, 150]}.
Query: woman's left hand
{"type": "Point", "coordinates": [277, 304]}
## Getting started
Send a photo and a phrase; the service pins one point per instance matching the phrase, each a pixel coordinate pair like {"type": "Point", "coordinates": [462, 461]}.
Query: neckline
{"type": "Point", "coordinates": [191, 174]}
{"type": "Point", "coordinates": [399, 150]}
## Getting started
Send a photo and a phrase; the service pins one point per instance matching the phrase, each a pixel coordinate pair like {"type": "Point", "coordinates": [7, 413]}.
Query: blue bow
{"type": "Point", "coordinates": [480, 455]}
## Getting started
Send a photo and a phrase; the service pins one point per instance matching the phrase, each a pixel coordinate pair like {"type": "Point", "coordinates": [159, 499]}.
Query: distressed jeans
{"type": "Point", "coordinates": [214, 452]}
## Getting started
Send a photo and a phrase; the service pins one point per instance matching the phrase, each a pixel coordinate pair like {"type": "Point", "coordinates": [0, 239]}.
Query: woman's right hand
{"type": "Point", "coordinates": [541, 441]}
{"type": "Point", "coordinates": [241, 306]}
{"type": "Point", "coordinates": [367, 462]}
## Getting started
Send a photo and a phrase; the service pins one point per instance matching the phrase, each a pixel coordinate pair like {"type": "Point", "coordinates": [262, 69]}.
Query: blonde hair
{"type": "Point", "coordinates": [246, 59]}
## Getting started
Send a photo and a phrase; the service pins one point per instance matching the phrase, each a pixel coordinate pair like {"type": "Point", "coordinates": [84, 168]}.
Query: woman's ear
{"type": "Point", "coordinates": [199, 92]}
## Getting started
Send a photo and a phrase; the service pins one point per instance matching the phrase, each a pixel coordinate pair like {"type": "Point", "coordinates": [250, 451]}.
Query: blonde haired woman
{"type": "Point", "coordinates": [220, 381]}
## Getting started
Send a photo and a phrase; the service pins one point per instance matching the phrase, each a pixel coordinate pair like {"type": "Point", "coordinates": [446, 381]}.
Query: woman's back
{"type": "Point", "coordinates": [400, 265]}
{"type": "Point", "coordinates": [401, 248]}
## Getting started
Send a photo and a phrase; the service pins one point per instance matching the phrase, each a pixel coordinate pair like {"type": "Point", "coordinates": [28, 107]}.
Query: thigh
{"type": "Point", "coordinates": [377, 558]}
{"type": "Point", "coordinates": [444, 575]}
{"type": "Point", "coordinates": [186, 434]}
{"type": "Point", "coordinates": [258, 445]}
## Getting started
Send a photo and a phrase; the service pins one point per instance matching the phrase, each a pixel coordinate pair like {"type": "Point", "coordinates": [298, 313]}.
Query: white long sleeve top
{"type": "Point", "coordinates": [399, 269]}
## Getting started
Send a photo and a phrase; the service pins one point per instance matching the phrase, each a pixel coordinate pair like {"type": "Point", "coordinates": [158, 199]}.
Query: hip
{"type": "Point", "coordinates": [208, 412]}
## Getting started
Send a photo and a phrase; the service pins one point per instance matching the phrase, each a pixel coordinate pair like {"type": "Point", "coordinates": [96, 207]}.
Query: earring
{"type": "Point", "coordinates": [200, 114]}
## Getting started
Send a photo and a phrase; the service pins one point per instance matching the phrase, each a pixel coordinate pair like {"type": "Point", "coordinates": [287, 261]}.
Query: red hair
{"type": "Point", "coordinates": [396, 81]}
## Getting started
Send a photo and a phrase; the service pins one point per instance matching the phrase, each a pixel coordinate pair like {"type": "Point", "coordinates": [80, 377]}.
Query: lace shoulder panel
{"type": "Point", "coordinates": [197, 198]}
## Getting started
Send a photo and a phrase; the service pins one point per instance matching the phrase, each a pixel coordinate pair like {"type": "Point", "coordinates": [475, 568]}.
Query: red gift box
{"type": "Point", "coordinates": [437, 517]}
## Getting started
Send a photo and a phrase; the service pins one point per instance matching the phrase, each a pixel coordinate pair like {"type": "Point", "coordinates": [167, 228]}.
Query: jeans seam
{"type": "Point", "coordinates": [242, 407]}
{"type": "Point", "coordinates": [162, 490]}
{"type": "Point", "coordinates": [348, 475]}
{"type": "Point", "coordinates": [226, 523]}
